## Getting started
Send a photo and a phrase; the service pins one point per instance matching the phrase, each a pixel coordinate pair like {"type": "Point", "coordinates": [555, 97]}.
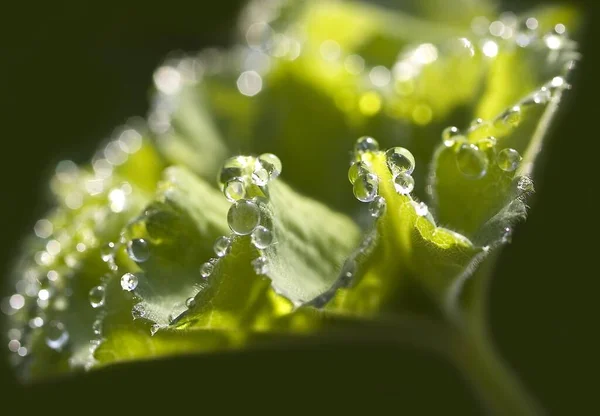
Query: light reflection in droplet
{"type": "Point", "coordinates": [249, 83]}
{"type": "Point", "coordinates": [531, 23]}
{"type": "Point", "coordinates": [14, 345]}
{"type": "Point", "coordinates": [330, 50]}
{"type": "Point", "coordinates": [167, 80]}
{"type": "Point", "coordinates": [380, 76]}
{"type": "Point", "coordinates": [16, 301]}
{"type": "Point", "coordinates": [425, 53]}
{"type": "Point", "coordinates": [130, 141]}
{"type": "Point", "coordinates": [53, 247]}
{"type": "Point", "coordinates": [52, 275]}
{"type": "Point", "coordinates": [490, 48]}
{"type": "Point", "coordinates": [44, 294]}
{"type": "Point", "coordinates": [497, 28]}
{"type": "Point", "coordinates": [43, 228]}
{"type": "Point", "coordinates": [117, 200]}
{"type": "Point", "coordinates": [560, 29]}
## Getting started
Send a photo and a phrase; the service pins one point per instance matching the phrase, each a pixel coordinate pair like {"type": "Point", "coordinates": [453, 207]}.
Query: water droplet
{"type": "Point", "coordinates": [348, 271]}
{"type": "Point", "coordinates": [222, 246]}
{"type": "Point", "coordinates": [96, 296]}
{"type": "Point", "coordinates": [129, 281]}
{"type": "Point", "coordinates": [14, 345]}
{"type": "Point", "coordinates": [271, 164]}
{"type": "Point", "coordinates": [471, 161]}
{"type": "Point", "coordinates": [509, 159]}
{"type": "Point", "coordinates": [377, 207]}
{"type": "Point", "coordinates": [206, 269]}
{"type": "Point", "coordinates": [36, 322]}
{"type": "Point", "coordinates": [243, 217]}
{"type": "Point", "coordinates": [43, 228]}
{"type": "Point", "coordinates": [357, 169]}
{"type": "Point", "coordinates": [138, 311]}
{"type": "Point", "coordinates": [486, 144]}
{"type": "Point", "coordinates": [476, 123]}
{"type": "Point", "coordinates": [262, 237]}
{"type": "Point", "coordinates": [542, 96]}
{"type": "Point", "coordinates": [421, 209]}
{"type": "Point", "coordinates": [404, 183]}
{"type": "Point", "coordinates": [366, 144]}
{"type": "Point", "coordinates": [400, 160]}
{"type": "Point", "coordinates": [234, 167]}
{"type": "Point", "coordinates": [190, 302]}
{"type": "Point", "coordinates": [507, 235]}
{"type": "Point", "coordinates": [260, 176]}
{"type": "Point", "coordinates": [56, 335]}
{"type": "Point", "coordinates": [365, 187]}
{"type": "Point", "coordinates": [512, 116]}
{"type": "Point", "coordinates": [260, 265]}
{"type": "Point", "coordinates": [525, 184]}
{"type": "Point", "coordinates": [138, 250]}
{"type": "Point", "coordinates": [97, 327]}
{"type": "Point", "coordinates": [107, 252]}
{"type": "Point", "coordinates": [450, 135]}
{"type": "Point", "coordinates": [234, 190]}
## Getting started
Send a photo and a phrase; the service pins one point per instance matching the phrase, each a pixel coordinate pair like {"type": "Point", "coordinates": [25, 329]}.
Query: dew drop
{"type": "Point", "coordinates": [377, 207]}
{"type": "Point", "coordinates": [222, 246]}
{"type": "Point", "coordinates": [190, 302]}
{"type": "Point", "coordinates": [262, 237]}
{"type": "Point", "coordinates": [486, 144]}
{"type": "Point", "coordinates": [97, 327]}
{"type": "Point", "coordinates": [542, 96]}
{"type": "Point", "coordinates": [421, 209]}
{"type": "Point", "coordinates": [512, 116]}
{"type": "Point", "coordinates": [234, 167]}
{"type": "Point", "coordinates": [365, 187]}
{"type": "Point", "coordinates": [450, 136]}
{"type": "Point", "coordinates": [348, 271]}
{"type": "Point", "coordinates": [476, 123]}
{"type": "Point", "coordinates": [260, 176]}
{"type": "Point", "coordinates": [400, 160]}
{"type": "Point", "coordinates": [243, 217]}
{"type": "Point", "coordinates": [56, 335]}
{"type": "Point", "coordinates": [271, 164]}
{"type": "Point", "coordinates": [129, 281]}
{"type": "Point", "coordinates": [234, 190]}
{"type": "Point", "coordinates": [138, 311]}
{"type": "Point", "coordinates": [357, 169]}
{"type": "Point", "coordinates": [138, 250]}
{"type": "Point", "coordinates": [366, 144]}
{"type": "Point", "coordinates": [206, 269]}
{"type": "Point", "coordinates": [471, 161]}
{"type": "Point", "coordinates": [107, 252]}
{"type": "Point", "coordinates": [508, 159]}
{"type": "Point", "coordinates": [404, 183]}
{"type": "Point", "coordinates": [260, 265]}
{"type": "Point", "coordinates": [96, 296]}
{"type": "Point", "coordinates": [507, 235]}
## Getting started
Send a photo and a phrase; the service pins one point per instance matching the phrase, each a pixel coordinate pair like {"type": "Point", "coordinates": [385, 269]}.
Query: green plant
{"type": "Point", "coordinates": [304, 88]}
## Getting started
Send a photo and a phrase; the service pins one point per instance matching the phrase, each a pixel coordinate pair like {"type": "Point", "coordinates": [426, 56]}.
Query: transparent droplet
{"type": "Point", "coordinates": [365, 187]}
{"type": "Point", "coordinates": [421, 209]}
{"type": "Point", "coordinates": [512, 116]}
{"type": "Point", "coordinates": [262, 237]}
{"type": "Point", "coordinates": [476, 123]}
{"type": "Point", "coordinates": [450, 136]}
{"type": "Point", "coordinates": [56, 335]}
{"type": "Point", "coordinates": [260, 176]}
{"type": "Point", "coordinates": [96, 296]}
{"type": "Point", "coordinates": [508, 159]}
{"type": "Point", "coordinates": [525, 184]}
{"type": "Point", "coordinates": [471, 161]}
{"type": "Point", "coordinates": [206, 269]}
{"type": "Point", "coordinates": [357, 169]}
{"type": "Point", "coordinates": [366, 144]}
{"type": "Point", "coordinates": [348, 271]}
{"type": "Point", "coordinates": [129, 281]}
{"type": "Point", "coordinates": [138, 250]}
{"type": "Point", "coordinates": [486, 144]}
{"type": "Point", "coordinates": [190, 302]}
{"type": "Point", "coordinates": [542, 96]}
{"type": "Point", "coordinates": [377, 207]}
{"type": "Point", "coordinates": [97, 327]}
{"type": "Point", "coordinates": [260, 265]}
{"type": "Point", "coordinates": [404, 183]}
{"type": "Point", "coordinates": [234, 167]}
{"type": "Point", "coordinates": [271, 164]}
{"type": "Point", "coordinates": [243, 217]}
{"type": "Point", "coordinates": [222, 246]}
{"type": "Point", "coordinates": [107, 252]}
{"type": "Point", "coordinates": [138, 311]}
{"type": "Point", "coordinates": [234, 190]}
{"type": "Point", "coordinates": [507, 235]}
{"type": "Point", "coordinates": [400, 160]}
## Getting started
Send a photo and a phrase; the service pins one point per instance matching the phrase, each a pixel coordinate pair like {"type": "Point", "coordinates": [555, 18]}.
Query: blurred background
{"type": "Point", "coordinates": [72, 71]}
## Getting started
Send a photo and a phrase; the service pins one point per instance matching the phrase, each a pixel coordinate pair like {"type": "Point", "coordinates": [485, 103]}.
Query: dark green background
{"type": "Point", "coordinates": [71, 71]}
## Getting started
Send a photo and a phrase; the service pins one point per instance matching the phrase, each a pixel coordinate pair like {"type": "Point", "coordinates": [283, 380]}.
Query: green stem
{"type": "Point", "coordinates": [496, 385]}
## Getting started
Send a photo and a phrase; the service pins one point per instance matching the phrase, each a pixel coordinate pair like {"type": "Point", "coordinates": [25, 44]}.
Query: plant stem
{"type": "Point", "coordinates": [497, 386]}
